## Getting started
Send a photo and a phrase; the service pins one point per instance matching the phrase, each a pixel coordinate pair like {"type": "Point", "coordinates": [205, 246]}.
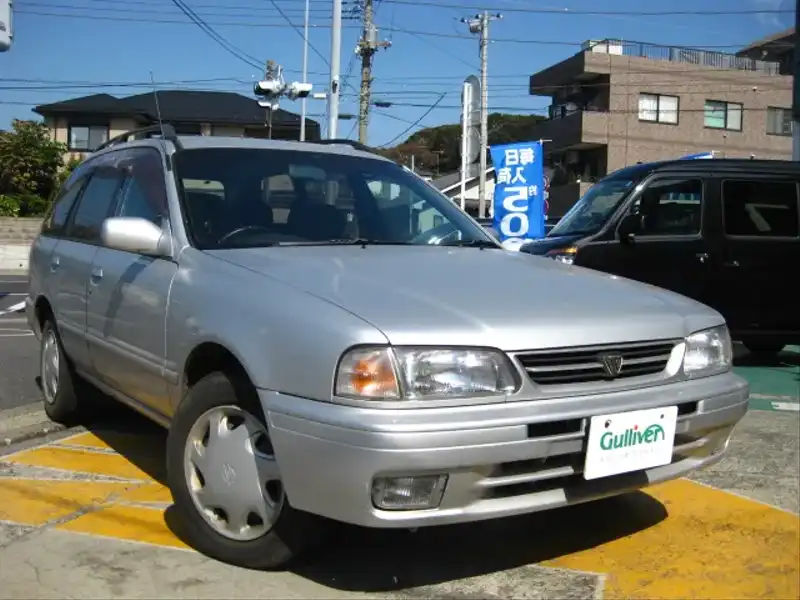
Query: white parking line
{"type": "Point", "coordinates": [790, 406]}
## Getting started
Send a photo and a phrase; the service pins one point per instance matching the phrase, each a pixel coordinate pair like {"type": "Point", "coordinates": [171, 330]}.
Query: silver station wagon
{"type": "Point", "coordinates": [327, 338]}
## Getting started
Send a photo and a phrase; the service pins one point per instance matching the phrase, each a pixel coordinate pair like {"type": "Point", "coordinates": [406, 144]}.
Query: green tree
{"type": "Point", "coordinates": [30, 164]}
{"type": "Point", "coordinates": [439, 148]}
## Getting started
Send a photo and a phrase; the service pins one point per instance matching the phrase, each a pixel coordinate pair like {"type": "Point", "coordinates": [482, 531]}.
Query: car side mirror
{"type": "Point", "coordinates": [134, 234]}
{"type": "Point", "coordinates": [629, 226]}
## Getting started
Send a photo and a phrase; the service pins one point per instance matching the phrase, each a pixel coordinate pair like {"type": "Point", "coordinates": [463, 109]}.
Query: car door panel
{"type": "Point", "coordinates": [672, 251]}
{"type": "Point", "coordinates": [128, 305]}
{"type": "Point", "coordinates": [126, 324]}
{"type": "Point", "coordinates": [761, 253]}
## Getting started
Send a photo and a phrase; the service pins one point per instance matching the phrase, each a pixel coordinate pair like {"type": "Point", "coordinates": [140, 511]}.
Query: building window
{"type": "Point", "coordinates": [85, 138]}
{"type": "Point", "coordinates": [779, 121]}
{"type": "Point", "coordinates": [723, 115]}
{"type": "Point", "coordinates": [658, 108]}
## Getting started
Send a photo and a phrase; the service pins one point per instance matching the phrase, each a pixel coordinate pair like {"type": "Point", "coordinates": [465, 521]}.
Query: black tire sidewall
{"type": "Point", "coordinates": [293, 531]}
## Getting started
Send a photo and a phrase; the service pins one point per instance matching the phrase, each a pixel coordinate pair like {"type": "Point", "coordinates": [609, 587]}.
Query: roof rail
{"type": "Point", "coordinates": [346, 142]}
{"type": "Point", "coordinates": [164, 131]}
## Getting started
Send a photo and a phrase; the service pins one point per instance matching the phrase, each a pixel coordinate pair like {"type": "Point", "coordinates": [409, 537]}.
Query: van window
{"type": "Point", "coordinates": [592, 211]}
{"type": "Point", "coordinates": [760, 208]}
{"type": "Point", "coordinates": [670, 207]}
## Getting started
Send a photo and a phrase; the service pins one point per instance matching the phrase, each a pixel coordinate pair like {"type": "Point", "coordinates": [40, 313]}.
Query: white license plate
{"type": "Point", "coordinates": [630, 441]}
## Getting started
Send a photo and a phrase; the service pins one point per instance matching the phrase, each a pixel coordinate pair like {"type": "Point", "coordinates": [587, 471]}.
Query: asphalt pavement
{"type": "Point", "coordinates": [18, 347]}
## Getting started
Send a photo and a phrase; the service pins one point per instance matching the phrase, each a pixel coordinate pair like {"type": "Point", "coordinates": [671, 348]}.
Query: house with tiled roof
{"type": "Point", "coordinates": [86, 122]}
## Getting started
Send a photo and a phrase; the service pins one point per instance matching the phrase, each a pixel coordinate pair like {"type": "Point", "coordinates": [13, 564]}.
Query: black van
{"type": "Point", "coordinates": [725, 232]}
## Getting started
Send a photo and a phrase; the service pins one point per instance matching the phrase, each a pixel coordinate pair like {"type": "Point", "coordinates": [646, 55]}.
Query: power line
{"type": "Point", "coordinates": [113, 9]}
{"type": "Point", "coordinates": [208, 30]}
{"type": "Point", "coordinates": [328, 25]}
{"type": "Point", "coordinates": [578, 12]}
{"type": "Point", "coordinates": [415, 123]}
{"type": "Point", "coordinates": [166, 21]}
{"type": "Point", "coordinates": [299, 32]}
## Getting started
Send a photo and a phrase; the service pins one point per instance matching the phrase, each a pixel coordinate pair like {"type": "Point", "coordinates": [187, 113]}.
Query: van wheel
{"type": "Point", "coordinates": [763, 346]}
{"type": "Point", "coordinates": [58, 378]}
{"type": "Point", "coordinates": [225, 479]}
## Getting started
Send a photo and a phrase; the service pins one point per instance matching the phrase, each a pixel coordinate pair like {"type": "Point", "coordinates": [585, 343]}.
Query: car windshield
{"type": "Point", "coordinates": [252, 197]}
{"type": "Point", "coordinates": [591, 212]}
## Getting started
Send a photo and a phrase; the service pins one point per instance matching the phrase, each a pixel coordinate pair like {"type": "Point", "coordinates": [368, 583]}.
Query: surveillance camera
{"type": "Point", "coordinates": [299, 90]}
{"type": "Point", "coordinates": [269, 87]}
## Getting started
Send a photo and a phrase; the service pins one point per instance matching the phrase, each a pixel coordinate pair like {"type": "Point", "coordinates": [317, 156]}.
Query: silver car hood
{"type": "Point", "coordinates": [465, 296]}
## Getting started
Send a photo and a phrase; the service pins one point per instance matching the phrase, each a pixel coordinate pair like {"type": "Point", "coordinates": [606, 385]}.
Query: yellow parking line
{"type": "Point", "coordinates": [80, 461]}
{"type": "Point", "coordinates": [150, 493]}
{"type": "Point", "coordinates": [133, 523]}
{"type": "Point", "coordinates": [109, 440]}
{"type": "Point", "coordinates": [35, 502]}
{"type": "Point", "coordinates": [711, 545]}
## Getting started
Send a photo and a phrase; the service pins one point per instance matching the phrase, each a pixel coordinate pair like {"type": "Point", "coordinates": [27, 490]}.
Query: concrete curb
{"type": "Point", "coordinates": [25, 423]}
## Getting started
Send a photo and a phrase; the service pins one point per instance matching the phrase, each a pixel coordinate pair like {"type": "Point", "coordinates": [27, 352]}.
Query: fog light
{"type": "Point", "coordinates": [408, 493]}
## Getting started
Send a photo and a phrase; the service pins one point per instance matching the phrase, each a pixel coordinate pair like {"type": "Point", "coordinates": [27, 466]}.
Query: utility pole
{"type": "Point", "coordinates": [366, 48]}
{"type": "Point", "coordinates": [336, 51]}
{"type": "Point", "coordinates": [480, 24]}
{"type": "Point", "coordinates": [304, 101]}
{"type": "Point", "coordinates": [796, 86]}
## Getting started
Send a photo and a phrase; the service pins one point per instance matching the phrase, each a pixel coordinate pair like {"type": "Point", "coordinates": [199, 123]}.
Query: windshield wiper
{"type": "Point", "coordinates": [473, 244]}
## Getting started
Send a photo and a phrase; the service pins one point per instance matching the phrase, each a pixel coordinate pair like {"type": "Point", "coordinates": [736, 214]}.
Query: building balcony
{"type": "Point", "coordinates": [572, 129]}
{"type": "Point", "coordinates": [598, 57]}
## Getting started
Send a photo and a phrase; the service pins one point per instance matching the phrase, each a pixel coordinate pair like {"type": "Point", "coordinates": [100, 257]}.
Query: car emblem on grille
{"type": "Point", "coordinates": [612, 364]}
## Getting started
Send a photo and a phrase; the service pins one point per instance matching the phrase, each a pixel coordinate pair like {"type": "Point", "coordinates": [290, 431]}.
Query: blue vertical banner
{"type": "Point", "coordinates": [519, 191]}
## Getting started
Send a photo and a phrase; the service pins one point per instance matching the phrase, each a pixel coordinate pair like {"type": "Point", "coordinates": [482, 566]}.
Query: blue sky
{"type": "Point", "coordinates": [63, 43]}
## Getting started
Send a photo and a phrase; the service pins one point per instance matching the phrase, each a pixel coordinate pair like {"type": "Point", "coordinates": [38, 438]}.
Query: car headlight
{"type": "Point", "coordinates": [708, 352]}
{"type": "Point", "coordinates": [405, 373]}
{"type": "Point", "coordinates": [564, 255]}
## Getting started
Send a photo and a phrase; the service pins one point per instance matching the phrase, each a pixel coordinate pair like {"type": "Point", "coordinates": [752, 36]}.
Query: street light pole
{"type": "Point", "coordinates": [796, 86]}
{"type": "Point", "coordinates": [305, 73]}
{"type": "Point", "coordinates": [336, 50]}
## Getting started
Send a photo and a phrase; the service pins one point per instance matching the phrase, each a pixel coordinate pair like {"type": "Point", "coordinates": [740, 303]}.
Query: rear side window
{"type": "Point", "coordinates": [95, 205]}
{"type": "Point", "coordinates": [55, 221]}
{"type": "Point", "coordinates": [761, 208]}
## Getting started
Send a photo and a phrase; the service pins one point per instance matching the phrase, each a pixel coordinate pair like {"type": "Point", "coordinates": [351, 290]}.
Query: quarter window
{"type": "Point", "coordinates": [55, 221]}
{"type": "Point", "coordinates": [723, 115]}
{"type": "Point", "coordinates": [658, 108]}
{"type": "Point", "coordinates": [86, 138]}
{"type": "Point", "coordinates": [670, 207]}
{"type": "Point", "coordinates": [95, 205]}
{"type": "Point", "coordinates": [761, 208]}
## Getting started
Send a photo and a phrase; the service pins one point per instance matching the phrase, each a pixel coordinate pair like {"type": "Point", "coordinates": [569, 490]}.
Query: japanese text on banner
{"type": "Point", "coordinates": [519, 205]}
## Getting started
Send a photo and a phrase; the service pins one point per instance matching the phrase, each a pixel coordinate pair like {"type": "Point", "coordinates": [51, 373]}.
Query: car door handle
{"type": "Point", "coordinates": [702, 257]}
{"type": "Point", "coordinates": [97, 275]}
{"type": "Point", "coordinates": [55, 262]}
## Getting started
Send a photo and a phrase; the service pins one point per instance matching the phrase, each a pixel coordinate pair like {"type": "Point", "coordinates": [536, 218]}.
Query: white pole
{"type": "Point", "coordinates": [336, 50]}
{"type": "Point", "coordinates": [484, 113]}
{"type": "Point", "coordinates": [305, 74]}
{"type": "Point", "coordinates": [465, 93]}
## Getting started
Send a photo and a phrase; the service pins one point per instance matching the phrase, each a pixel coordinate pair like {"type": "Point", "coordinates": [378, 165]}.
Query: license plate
{"type": "Point", "coordinates": [630, 441]}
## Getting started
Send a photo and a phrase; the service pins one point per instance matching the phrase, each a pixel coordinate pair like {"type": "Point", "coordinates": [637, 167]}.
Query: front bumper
{"type": "Point", "coordinates": [501, 459]}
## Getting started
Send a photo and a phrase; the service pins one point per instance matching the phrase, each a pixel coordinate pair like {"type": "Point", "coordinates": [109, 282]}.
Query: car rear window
{"type": "Point", "coordinates": [761, 208]}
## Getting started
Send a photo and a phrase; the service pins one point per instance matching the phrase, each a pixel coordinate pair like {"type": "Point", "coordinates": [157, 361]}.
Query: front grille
{"type": "Point", "coordinates": [586, 364]}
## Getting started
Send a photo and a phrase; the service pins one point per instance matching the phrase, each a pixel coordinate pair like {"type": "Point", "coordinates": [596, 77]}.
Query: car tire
{"type": "Point", "coordinates": [291, 533]}
{"type": "Point", "coordinates": [763, 346]}
{"type": "Point", "coordinates": [58, 378]}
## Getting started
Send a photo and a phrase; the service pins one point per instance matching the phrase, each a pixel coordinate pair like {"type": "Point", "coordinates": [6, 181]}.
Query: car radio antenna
{"type": "Point", "coordinates": [158, 108]}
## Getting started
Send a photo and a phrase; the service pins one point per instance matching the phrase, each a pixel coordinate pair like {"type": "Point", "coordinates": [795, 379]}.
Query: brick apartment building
{"type": "Point", "coordinates": [617, 103]}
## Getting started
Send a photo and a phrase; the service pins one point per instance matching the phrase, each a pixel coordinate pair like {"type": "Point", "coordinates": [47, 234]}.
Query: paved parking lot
{"type": "Point", "coordinates": [95, 499]}
{"type": "Point", "coordinates": [18, 348]}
